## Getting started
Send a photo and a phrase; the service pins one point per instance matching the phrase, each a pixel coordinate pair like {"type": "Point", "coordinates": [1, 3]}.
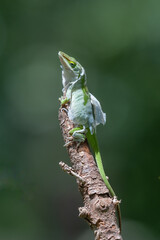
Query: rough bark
{"type": "Point", "coordinates": [99, 208]}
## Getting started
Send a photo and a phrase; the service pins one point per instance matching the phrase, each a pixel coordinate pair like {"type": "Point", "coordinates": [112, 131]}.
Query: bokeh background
{"type": "Point", "coordinates": [118, 43]}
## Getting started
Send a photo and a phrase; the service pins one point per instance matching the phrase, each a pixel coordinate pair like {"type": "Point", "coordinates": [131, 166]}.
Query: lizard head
{"type": "Point", "coordinates": [71, 69]}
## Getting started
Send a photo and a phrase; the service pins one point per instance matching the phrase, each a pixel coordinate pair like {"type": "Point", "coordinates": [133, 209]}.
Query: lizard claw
{"type": "Point", "coordinates": [64, 109]}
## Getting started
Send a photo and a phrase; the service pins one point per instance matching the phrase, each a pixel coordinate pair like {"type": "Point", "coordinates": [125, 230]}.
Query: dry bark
{"type": "Point", "coordinates": [99, 208]}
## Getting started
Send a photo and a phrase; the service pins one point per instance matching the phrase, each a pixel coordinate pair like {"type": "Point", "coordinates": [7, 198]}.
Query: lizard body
{"type": "Point", "coordinates": [84, 110]}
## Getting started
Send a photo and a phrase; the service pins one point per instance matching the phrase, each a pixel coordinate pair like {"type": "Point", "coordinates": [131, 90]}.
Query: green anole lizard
{"type": "Point", "coordinates": [84, 110]}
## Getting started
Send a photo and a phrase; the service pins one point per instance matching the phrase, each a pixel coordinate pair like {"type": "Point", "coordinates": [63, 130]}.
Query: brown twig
{"type": "Point", "coordinates": [99, 207]}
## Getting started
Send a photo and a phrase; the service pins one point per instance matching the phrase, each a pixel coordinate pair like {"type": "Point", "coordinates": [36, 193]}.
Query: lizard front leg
{"type": "Point", "coordinates": [78, 135]}
{"type": "Point", "coordinates": [63, 101]}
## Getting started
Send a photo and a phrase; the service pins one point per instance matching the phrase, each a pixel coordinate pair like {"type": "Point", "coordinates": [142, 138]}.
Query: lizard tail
{"type": "Point", "coordinates": [92, 140]}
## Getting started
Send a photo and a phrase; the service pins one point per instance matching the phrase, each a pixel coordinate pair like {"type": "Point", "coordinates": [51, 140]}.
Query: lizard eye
{"type": "Point", "coordinates": [72, 64]}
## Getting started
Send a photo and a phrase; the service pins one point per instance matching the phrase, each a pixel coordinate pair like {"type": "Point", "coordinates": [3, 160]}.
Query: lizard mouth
{"type": "Point", "coordinates": [64, 59]}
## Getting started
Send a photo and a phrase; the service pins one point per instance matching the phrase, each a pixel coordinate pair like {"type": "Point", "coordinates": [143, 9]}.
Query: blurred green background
{"type": "Point", "coordinates": [118, 43]}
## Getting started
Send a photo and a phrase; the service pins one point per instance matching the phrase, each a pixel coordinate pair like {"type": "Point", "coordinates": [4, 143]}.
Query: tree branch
{"type": "Point", "coordinates": [99, 208]}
